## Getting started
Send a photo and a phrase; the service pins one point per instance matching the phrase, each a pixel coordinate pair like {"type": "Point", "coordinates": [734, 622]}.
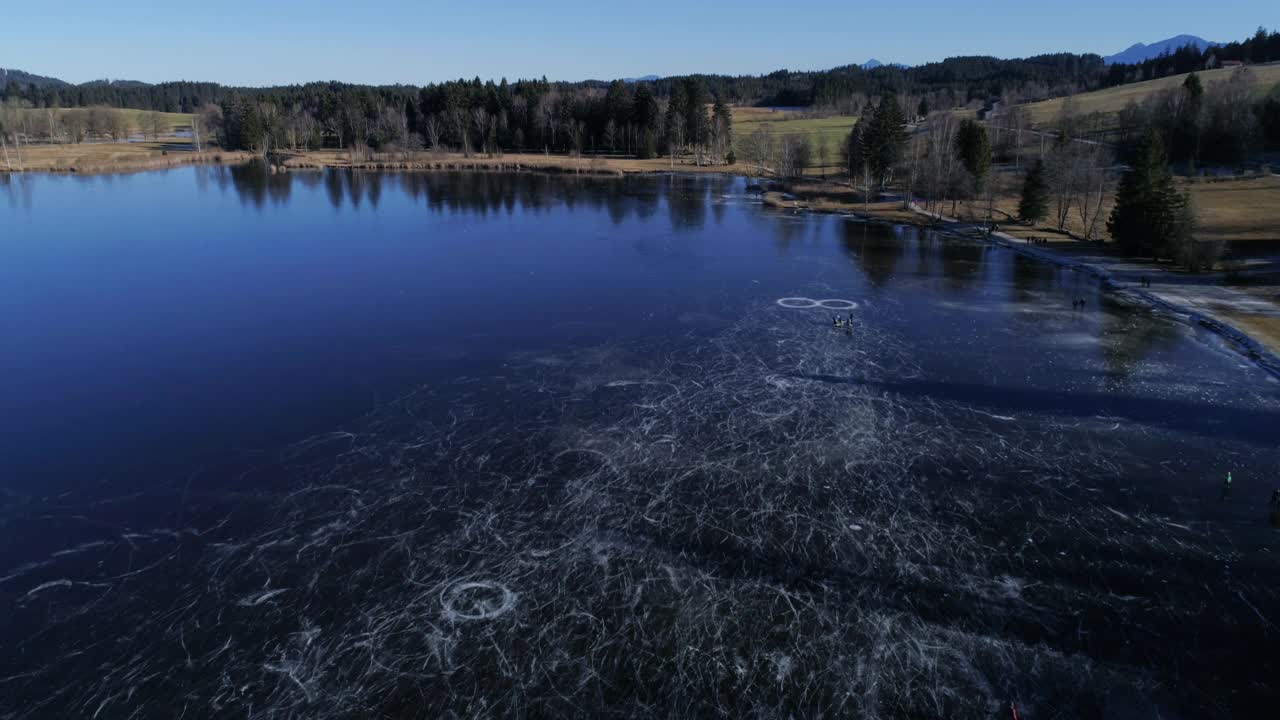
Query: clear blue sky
{"type": "Point", "coordinates": [265, 42]}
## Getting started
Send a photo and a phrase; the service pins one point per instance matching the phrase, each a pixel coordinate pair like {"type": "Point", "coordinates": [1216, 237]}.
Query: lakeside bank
{"type": "Point", "coordinates": [1247, 320]}
{"type": "Point", "coordinates": [1216, 307]}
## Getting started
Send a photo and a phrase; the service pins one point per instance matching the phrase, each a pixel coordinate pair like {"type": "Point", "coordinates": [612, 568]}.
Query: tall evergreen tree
{"type": "Point", "coordinates": [974, 149]}
{"type": "Point", "coordinates": [645, 110]}
{"type": "Point", "coordinates": [1034, 205]}
{"type": "Point", "coordinates": [922, 110]}
{"type": "Point", "coordinates": [1149, 210]}
{"type": "Point", "coordinates": [855, 151]}
{"type": "Point", "coordinates": [697, 126]}
{"type": "Point", "coordinates": [884, 138]}
{"type": "Point", "coordinates": [1189, 124]}
{"type": "Point", "coordinates": [242, 127]}
{"type": "Point", "coordinates": [618, 104]}
{"type": "Point", "coordinates": [1194, 88]}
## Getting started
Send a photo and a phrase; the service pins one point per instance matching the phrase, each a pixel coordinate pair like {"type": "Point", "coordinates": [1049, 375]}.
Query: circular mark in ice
{"type": "Point", "coordinates": [797, 303]}
{"type": "Point", "coordinates": [804, 303]}
{"type": "Point", "coordinates": [838, 304]}
{"type": "Point", "coordinates": [474, 600]}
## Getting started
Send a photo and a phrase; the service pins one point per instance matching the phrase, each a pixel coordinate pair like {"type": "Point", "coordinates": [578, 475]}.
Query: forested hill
{"type": "Point", "coordinates": [947, 83]}
{"type": "Point", "coordinates": [20, 78]}
{"type": "Point", "coordinates": [960, 79]}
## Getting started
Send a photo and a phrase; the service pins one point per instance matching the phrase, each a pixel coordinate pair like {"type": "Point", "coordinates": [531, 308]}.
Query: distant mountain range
{"type": "Point", "coordinates": [1141, 51]}
{"type": "Point", "coordinates": [871, 64]}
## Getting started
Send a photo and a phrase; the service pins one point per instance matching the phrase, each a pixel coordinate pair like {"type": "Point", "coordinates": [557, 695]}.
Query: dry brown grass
{"type": "Point", "coordinates": [1235, 210]}
{"type": "Point", "coordinates": [126, 157]}
{"type": "Point", "coordinates": [1229, 210]}
{"type": "Point", "coordinates": [1263, 328]}
{"type": "Point", "coordinates": [535, 162]}
{"type": "Point", "coordinates": [1006, 211]}
{"type": "Point", "coordinates": [113, 157]}
{"type": "Point", "coordinates": [822, 196]}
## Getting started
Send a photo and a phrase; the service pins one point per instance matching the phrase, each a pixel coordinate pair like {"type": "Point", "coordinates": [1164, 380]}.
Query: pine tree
{"type": "Point", "coordinates": [883, 139]}
{"type": "Point", "coordinates": [1189, 124]}
{"type": "Point", "coordinates": [1149, 211]}
{"type": "Point", "coordinates": [645, 109]}
{"type": "Point", "coordinates": [1034, 205]}
{"type": "Point", "coordinates": [974, 149]}
{"type": "Point", "coordinates": [697, 126]}
{"type": "Point", "coordinates": [854, 151]}
{"type": "Point", "coordinates": [1194, 88]}
{"type": "Point", "coordinates": [922, 110]}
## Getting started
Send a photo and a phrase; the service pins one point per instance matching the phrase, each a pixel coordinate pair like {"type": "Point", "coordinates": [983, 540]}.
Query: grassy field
{"type": "Point", "coordinates": [173, 121]}
{"type": "Point", "coordinates": [106, 157]}
{"type": "Point", "coordinates": [1238, 210]}
{"type": "Point", "coordinates": [1113, 100]}
{"type": "Point", "coordinates": [833, 129]}
{"type": "Point", "coordinates": [1228, 210]}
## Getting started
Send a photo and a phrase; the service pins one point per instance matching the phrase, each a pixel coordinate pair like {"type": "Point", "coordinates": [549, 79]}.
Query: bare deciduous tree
{"type": "Point", "coordinates": [118, 125]}
{"type": "Point", "coordinates": [795, 155]}
{"type": "Point", "coordinates": [209, 119]}
{"type": "Point", "coordinates": [610, 135]}
{"type": "Point", "coordinates": [73, 124]}
{"type": "Point", "coordinates": [269, 114]}
{"type": "Point", "coordinates": [480, 121]}
{"type": "Point", "coordinates": [1094, 182]}
{"type": "Point", "coordinates": [357, 124]}
{"type": "Point", "coordinates": [97, 120]}
{"type": "Point", "coordinates": [433, 126]}
{"type": "Point", "coordinates": [458, 121]}
{"type": "Point", "coordinates": [913, 162]}
{"type": "Point", "coordinates": [577, 135]}
{"type": "Point", "coordinates": [392, 129]}
{"type": "Point", "coordinates": [154, 125]}
{"type": "Point", "coordinates": [7, 131]}
{"type": "Point", "coordinates": [940, 160]}
{"type": "Point", "coordinates": [760, 146]}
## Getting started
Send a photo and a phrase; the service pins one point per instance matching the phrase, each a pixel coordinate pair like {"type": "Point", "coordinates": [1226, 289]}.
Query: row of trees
{"type": "Point", "coordinates": [1149, 216]}
{"type": "Point", "coordinates": [874, 146]}
{"type": "Point", "coordinates": [79, 125]}
{"type": "Point", "coordinates": [625, 118]}
{"type": "Point", "coordinates": [1074, 179]}
{"type": "Point", "coordinates": [20, 126]}
{"type": "Point", "coordinates": [960, 79]}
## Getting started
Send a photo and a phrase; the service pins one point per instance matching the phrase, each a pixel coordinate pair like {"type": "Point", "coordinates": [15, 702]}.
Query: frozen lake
{"type": "Point", "coordinates": [335, 445]}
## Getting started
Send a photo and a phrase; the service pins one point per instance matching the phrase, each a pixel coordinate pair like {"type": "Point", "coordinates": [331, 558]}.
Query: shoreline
{"type": "Point", "coordinates": [824, 197]}
{"type": "Point", "coordinates": [1264, 355]}
{"type": "Point", "coordinates": [1262, 351]}
{"type": "Point", "coordinates": [124, 162]}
